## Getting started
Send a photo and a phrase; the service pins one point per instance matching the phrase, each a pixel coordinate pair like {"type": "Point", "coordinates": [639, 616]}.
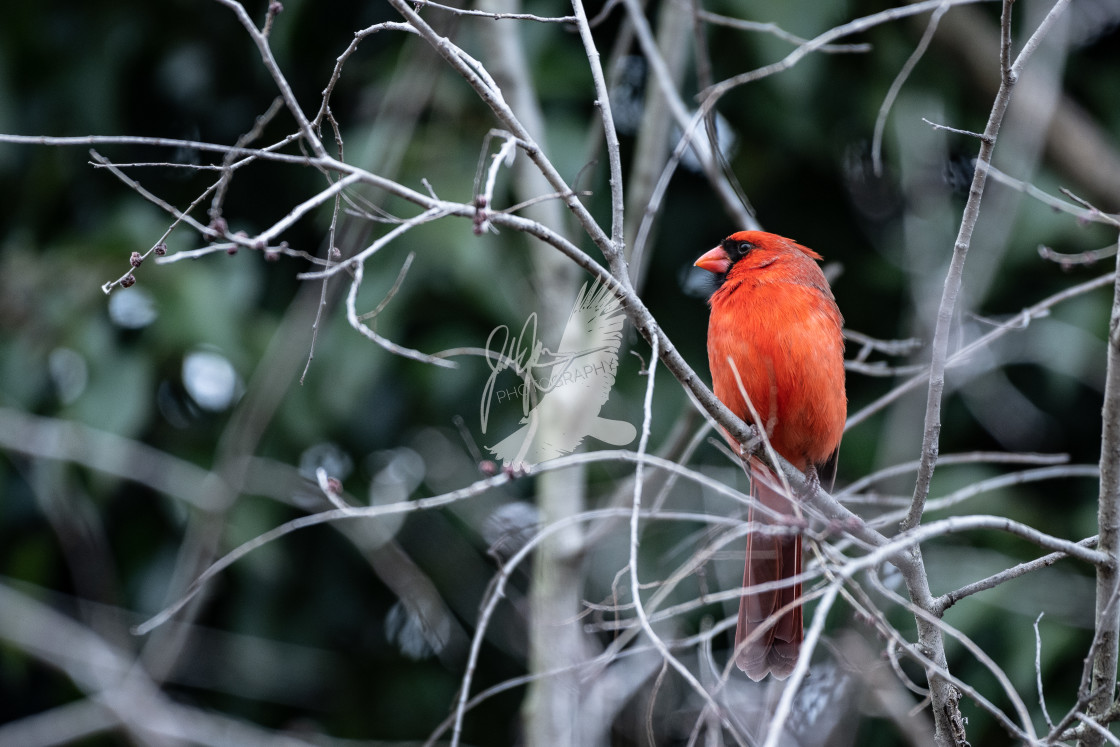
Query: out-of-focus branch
{"type": "Point", "coordinates": [63, 440]}
{"type": "Point", "coordinates": [1019, 322]}
{"type": "Point", "coordinates": [705, 150]}
{"type": "Point", "coordinates": [651, 150]}
{"type": "Point", "coordinates": [554, 708]}
{"type": "Point", "coordinates": [124, 695]}
{"type": "Point", "coordinates": [954, 278]}
{"type": "Point", "coordinates": [896, 86]}
{"type": "Point", "coordinates": [1076, 143]}
{"type": "Point", "coordinates": [717, 91]}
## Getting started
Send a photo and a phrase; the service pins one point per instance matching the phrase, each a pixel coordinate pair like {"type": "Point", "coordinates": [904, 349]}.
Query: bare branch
{"type": "Point", "coordinates": [711, 95]}
{"type": "Point", "coordinates": [774, 30]}
{"type": "Point", "coordinates": [898, 82]}
{"type": "Point", "coordinates": [1018, 322]}
{"type": "Point", "coordinates": [1085, 214]}
{"type": "Point", "coordinates": [1107, 617]}
{"type": "Point", "coordinates": [497, 16]}
{"type": "Point", "coordinates": [946, 601]}
{"type": "Point", "coordinates": [613, 252]}
{"type": "Point", "coordinates": [956, 131]}
{"type": "Point", "coordinates": [356, 322]}
{"type": "Point", "coordinates": [261, 40]}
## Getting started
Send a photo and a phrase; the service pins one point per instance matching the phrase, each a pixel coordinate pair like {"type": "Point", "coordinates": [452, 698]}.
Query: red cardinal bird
{"type": "Point", "coordinates": [774, 317]}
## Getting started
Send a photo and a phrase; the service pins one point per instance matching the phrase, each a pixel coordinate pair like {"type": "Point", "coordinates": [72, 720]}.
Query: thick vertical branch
{"type": "Point", "coordinates": [953, 279]}
{"type": "Point", "coordinates": [948, 724]}
{"type": "Point", "coordinates": [1108, 517]}
{"type": "Point", "coordinates": [947, 308]}
{"type": "Point", "coordinates": [552, 707]}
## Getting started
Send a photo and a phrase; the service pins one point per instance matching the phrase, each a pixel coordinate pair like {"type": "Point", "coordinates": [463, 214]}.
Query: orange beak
{"type": "Point", "coordinates": [714, 260]}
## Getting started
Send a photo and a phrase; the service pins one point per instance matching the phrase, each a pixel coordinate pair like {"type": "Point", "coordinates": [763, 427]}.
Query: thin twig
{"type": "Point", "coordinates": [393, 290]}
{"type": "Point", "coordinates": [859, 25]}
{"type": "Point", "coordinates": [896, 87]}
{"type": "Point", "coordinates": [945, 601]}
{"type": "Point", "coordinates": [336, 73]}
{"type": "Point", "coordinates": [615, 250]}
{"type": "Point", "coordinates": [635, 587]}
{"type": "Point", "coordinates": [1084, 214]}
{"type": "Point", "coordinates": [306, 206]}
{"type": "Point", "coordinates": [1038, 671]}
{"type": "Point", "coordinates": [227, 162]}
{"type": "Point", "coordinates": [774, 30]}
{"type": "Point", "coordinates": [365, 330]}
{"type": "Point", "coordinates": [260, 39]}
{"type": "Point", "coordinates": [495, 16]}
{"type": "Point", "coordinates": [1019, 322]}
{"type": "Point", "coordinates": [968, 133]}
{"type": "Point", "coordinates": [1080, 258]}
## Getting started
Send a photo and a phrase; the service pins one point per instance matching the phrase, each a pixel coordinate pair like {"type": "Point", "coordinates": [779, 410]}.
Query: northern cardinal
{"type": "Point", "coordinates": [775, 321]}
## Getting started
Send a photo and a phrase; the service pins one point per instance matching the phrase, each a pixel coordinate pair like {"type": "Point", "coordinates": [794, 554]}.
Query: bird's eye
{"type": "Point", "coordinates": [736, 249]}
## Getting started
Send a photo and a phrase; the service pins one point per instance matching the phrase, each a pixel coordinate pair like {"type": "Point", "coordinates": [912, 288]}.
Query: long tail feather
{"type": "Point", "coordinates": [771, 557]}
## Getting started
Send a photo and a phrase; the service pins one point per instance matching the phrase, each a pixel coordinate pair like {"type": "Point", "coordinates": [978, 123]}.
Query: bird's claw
{"type": "Point", "coordinates": [751, 446]}
{"type": "Point", "coordinates": [812, 483]}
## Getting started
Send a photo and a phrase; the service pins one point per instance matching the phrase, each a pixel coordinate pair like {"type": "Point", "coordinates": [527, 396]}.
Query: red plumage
{"type": "Point", "coordinates": [774, 320]}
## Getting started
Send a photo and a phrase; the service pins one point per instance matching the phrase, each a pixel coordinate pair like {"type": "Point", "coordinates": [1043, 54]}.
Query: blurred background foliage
{"type": "Point", "coordinates": [202, 359]}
